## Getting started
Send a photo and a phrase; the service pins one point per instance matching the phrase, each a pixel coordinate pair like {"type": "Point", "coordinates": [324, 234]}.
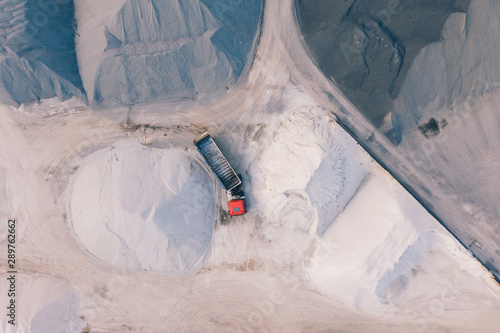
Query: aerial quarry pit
{"type": "Point", "coordinates": [191, 166]}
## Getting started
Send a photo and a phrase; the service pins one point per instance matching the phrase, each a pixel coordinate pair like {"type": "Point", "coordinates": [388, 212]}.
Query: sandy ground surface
{"type": "Point", "coordinates": [396, 269]}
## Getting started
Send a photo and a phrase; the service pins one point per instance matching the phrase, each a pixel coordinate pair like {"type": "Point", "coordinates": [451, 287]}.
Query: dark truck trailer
{"type": "Point", "coordinates": [224, 173]}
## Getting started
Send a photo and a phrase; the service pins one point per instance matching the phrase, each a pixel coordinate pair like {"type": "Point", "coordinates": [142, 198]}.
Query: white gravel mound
{"type": "Point", "coordinates": [305, 173]}
{"type": "Point", "coordinates": [37, 52]}
{"type": "Point", "coordinates": [138, 208]}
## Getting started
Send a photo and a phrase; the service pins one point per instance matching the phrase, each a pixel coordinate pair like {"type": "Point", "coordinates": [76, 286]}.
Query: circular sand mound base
{"type": "Point", "coordinates": [140, 208]}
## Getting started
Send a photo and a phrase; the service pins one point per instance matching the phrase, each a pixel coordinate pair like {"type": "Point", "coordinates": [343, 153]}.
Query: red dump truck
{"type": "Point", "coordinates": [223, 172]}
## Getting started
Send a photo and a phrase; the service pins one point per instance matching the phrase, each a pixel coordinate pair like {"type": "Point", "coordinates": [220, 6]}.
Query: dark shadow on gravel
{"type": "Point", "coordinates": [37, 51]}
{"type": "Point", "coordinates": [367, 46]}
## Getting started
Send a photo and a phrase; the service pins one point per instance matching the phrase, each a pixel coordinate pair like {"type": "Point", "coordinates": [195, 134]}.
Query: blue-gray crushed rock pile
{"type": "Point", "coordinates": [154, 49]}
{"type": "Point", "coordinates": [175, 48]}
{"type": "Point", "coordinates": [37, 51]}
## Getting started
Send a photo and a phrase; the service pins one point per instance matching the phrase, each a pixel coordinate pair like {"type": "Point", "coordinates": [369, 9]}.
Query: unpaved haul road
{"type": "Point", "coordinates": [36, 162]}
{"type": "Point", "coordinates": [40, 155]}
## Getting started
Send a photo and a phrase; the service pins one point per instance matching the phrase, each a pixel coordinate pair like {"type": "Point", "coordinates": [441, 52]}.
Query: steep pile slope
{"type": "Point", "coordinates": [37, 52]}
{"type": "Point", "coordinates": [463, 65]}
{"type": "Point", "coordinates": [135, 51]}
{"type": "Point", "coordinates": [367, 46]}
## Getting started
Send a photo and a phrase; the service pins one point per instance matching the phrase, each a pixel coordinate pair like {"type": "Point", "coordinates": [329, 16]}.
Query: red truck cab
{"type": "Point", "coordinates": [236, 207]}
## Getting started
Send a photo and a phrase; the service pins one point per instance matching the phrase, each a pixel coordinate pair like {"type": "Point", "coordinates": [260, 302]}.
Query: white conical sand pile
{"type": "Point", "coordinates": [140, 208]}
